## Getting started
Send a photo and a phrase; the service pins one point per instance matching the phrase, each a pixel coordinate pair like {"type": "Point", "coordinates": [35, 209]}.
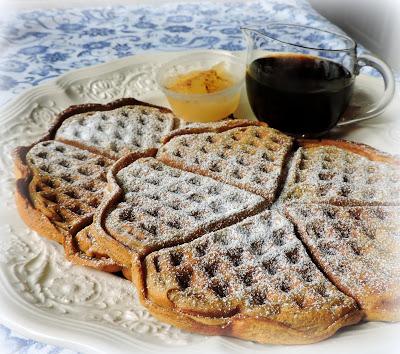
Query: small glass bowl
{"type": "Point", "coordinates": [207, 107]}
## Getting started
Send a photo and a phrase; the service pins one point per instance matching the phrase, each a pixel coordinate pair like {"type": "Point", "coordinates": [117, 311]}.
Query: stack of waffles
{"type": "Point", "coordinates": [229, 228]}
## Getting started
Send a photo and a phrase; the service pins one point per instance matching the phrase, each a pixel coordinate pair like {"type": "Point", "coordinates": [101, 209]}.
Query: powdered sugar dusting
{"type": "Point", "coordinates": [119, 131]}
{"type": "Point", "coordinates": [333, 175]}
{"type": "Point", "coordinates": [67, 182]}
{"type": "Point", "coordinates": [257, 267]}
{"type": "Point", "coordinates": [251, 158]}
{"type": "Point", "coordinates": [163, 205]}
{"type": "Point", "coordinates": [359, 247]}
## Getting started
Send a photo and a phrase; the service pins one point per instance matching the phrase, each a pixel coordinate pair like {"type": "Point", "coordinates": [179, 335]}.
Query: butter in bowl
{"type": "Point", "coordinates": [203, 86]}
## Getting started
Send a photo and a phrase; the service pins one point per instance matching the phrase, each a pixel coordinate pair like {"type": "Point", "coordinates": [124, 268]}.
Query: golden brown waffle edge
{"type": "Point", "coordinates": [358, 249]}
{"type": "Point", "coordinates": [340, 172]}
{"type": "Point", "coordinates": [250, 157]}
{"type": "Point", "coordinates": [128, 256]}
{"type": "Point", "coordinates": [37, 221]}
{"type": "Point", "coordinates": [283, 322]}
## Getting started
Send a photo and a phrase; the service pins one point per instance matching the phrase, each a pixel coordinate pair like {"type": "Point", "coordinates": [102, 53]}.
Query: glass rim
{"type": "Point", "coordinates": [351, 47]}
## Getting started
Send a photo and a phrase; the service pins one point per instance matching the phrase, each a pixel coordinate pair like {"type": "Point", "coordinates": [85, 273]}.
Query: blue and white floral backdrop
{"type": "Point", "coordinates": [40, 45]}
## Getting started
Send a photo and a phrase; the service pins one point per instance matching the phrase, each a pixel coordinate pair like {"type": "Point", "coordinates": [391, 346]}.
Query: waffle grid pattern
{"type": "Point", "coordinates": [117, 132]}
{"type": "Point", "coordinates": [255, 266]}
{"type": "Point", "coordinates": [67, 182]}
{"type": "Point", "coordinates": [195, 214]}
{"type": "Point", "coordinates": [251, 158]}
{"type": "Point", "coordinates": [162, 205]}
{"type": "Point", "coordinates": [336, 176]}
{"type": "Point", "coordinates": [358, 247]}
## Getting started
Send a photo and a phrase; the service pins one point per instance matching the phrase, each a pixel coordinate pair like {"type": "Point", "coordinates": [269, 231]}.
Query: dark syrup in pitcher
{"type": "Point", "coordinates": [298, 94]}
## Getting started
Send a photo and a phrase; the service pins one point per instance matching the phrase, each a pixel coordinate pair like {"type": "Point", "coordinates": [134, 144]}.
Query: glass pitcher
{"type": "Point", "coordinates": [300, 79]}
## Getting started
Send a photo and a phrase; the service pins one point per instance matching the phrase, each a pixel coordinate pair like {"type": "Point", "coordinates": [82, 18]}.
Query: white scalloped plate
{"type": "Point", "coordinates": [45, 297]}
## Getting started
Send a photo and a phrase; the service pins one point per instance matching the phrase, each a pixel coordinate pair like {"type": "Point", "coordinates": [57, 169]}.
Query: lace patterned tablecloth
{"type": "Point", "coordinates": [36, 46]}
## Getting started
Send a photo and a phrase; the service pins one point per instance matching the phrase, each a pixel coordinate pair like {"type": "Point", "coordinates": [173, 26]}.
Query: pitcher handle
{"type": "Point", "coordinates": [389, 81]}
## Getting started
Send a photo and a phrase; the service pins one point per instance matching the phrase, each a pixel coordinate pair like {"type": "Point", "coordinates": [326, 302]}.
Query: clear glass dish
{"type": "Point", "coordinates": [204, 107]}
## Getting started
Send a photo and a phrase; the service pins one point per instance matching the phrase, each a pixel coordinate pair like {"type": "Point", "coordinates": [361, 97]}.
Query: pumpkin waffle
{"type": "Point", "coordinates": [190, 228]}
{"type": "Point", "coordinates": [60, 183]}
{"type": "Point", "coordinates": [250, 157]}
{"type": "Point", "coordinates": [65, 188]}
{"type": "Point", "coordinates": [67, 183]}
{"type": "Point", "coordinates": [153, 205]}
{"type": "Point", "coordinates": [117, 132]}
{"type": "Point", "coordinates": [342, 173]}
{"type": "Point", "coordinates": [359, 250]}
{"type": "Point", "coordinates": [252, 280]}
